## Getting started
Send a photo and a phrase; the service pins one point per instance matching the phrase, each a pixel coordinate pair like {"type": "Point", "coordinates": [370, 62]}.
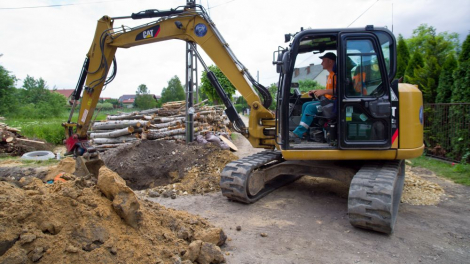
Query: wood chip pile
{"type": "Point", "coordinates": [418, 191]}
{"type": "Point", "coordinates": [10, 139]}
{"type": "Point", "coordinates": [166, 123]}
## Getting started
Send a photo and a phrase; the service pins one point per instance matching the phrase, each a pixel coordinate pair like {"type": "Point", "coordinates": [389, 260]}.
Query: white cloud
{"type": "Point", "coordinates": [52, 42]}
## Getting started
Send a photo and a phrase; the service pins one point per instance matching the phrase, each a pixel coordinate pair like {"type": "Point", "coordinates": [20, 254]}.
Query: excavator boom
{"type": "Point", "coordinates": [191, 24]}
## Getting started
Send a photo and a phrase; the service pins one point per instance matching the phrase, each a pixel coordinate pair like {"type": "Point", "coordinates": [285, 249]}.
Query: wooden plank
{"type": "Point", "coordinates": [229, 143]}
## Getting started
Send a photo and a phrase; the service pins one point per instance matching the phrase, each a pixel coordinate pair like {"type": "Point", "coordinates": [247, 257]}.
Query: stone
{"type": "Point", "coordinates": [239, 228]}
{"type": "Point", "coordinates": [72, 249]}
{"type": "Point", "coordinates": [154, 194]}
{"type": "Point", "coordinates": [125, 202]}
{"type": "Point", "coordinates": [210, 254]}
{"type": "Point", "coordinates": [27, 238]}
{"type": "Point", "coordinates": [193, 251]}
{"type": "Point", "coordinates": [215, 236]}
{"type": "Point", "coordinates": [113, 250]}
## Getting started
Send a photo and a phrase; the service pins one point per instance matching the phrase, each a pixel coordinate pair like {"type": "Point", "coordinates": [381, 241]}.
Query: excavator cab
{"type": "Point", "coordinates": [362, 111]}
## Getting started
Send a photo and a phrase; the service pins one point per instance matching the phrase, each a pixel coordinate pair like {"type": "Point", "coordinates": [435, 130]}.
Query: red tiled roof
{"type": "Point", "coordinates": [129, 101]}
{"type": "Point", "coordinates": [65, 92]}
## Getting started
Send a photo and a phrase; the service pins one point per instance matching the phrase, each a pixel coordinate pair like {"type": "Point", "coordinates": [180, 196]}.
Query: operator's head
{"type": "Point", "coordinates": [328, 61]}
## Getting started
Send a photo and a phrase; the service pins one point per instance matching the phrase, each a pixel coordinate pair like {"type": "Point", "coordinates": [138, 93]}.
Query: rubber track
{"type": "Point", "coordinates": [234, 177]}
{"type": "Point", "coordinates": [374, 195]}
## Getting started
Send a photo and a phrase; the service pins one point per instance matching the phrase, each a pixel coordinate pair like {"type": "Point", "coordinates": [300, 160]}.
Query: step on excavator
{"type": "Point", "coordinates": [360, 136]}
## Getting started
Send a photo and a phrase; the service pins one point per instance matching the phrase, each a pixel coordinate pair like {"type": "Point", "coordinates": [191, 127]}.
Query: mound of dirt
{"type": "Point", "coordinates": [73, 222]}
{"type": "Point", "coordinates": [148, 164]}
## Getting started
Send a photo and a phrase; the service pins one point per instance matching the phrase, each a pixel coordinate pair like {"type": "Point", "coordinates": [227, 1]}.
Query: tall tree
{"type": "Point", "coordinates": [446, 80]}
{"type": "Point", "coordinates": [403, 56]}
{"type": "Point", "coordinates": [461, 91]}
{"type": "Point", "coordinates": [416, 62]}
{"type": "Point", "coordinates": [435, 48]}
{"type": "Point", "coordinates": [427, 41]}
{"type": "Point", "coordinates": [465, 54]}
{"type": "Point", "coordinates": [206, 86]}
{"type": "Point", "coordinates": [143, 98]}
{"type": "Point", "coordinates": [35, 90]}
{"type": "Point", "coordinates": [174, 91]}
{"type": "Point", "coordinates": [7, 91]}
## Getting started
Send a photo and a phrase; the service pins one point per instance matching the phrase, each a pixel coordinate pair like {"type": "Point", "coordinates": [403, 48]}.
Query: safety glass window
{"type": "Point", "coordinates": [362, 69]}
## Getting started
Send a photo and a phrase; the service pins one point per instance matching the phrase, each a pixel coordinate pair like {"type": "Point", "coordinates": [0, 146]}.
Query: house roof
{"type": "Point", "coordinates": [126, 97]}
{"type": "Point", "coordinates": [310, 72]}
{"type": "Point", "coordinates": [128, 101]}
{"type": "Point", "coordinates": [65, 92]}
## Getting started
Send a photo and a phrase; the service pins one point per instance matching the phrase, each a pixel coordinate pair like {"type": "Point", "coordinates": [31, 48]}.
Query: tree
{"type": "Point", "coordinates": [446, 81]}
{"type": "Point", "coordinates": [465, 54]}
{"type": "Point", "coordinates": [143, 98]}
{"type": "Point", "coordinates": [416, 62]}
{"type": "Point", "coordinates": [7, 91]}
{"type": "Point", "coordinates": [403, 56]}
{"type": "Point", "coordinates": [435, 48]}
{"type": "Point", "coordinates": [174, 91]}
{"type": "Point", "coordinates": [209, 90]}
{"type": "Point", "coordinates": [307, 85]}
{"type": "Point", "coordinates": [427, 41]}
{"type": "Point", "coordinates": [35, 91]}
{"type": "Point", "coordinates": [461, 91]}
{"type": "Point", "coordinates": [273, 91]}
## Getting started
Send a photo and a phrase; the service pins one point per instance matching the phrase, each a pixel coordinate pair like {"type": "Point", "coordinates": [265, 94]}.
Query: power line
{"type": "Point", "coordinates": [363, 13]}
{"type": "Point", "coordinates": [30, 7]}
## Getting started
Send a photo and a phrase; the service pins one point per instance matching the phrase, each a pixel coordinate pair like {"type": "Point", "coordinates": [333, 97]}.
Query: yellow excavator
{"type": "Point", "coordinates": [373, 125]}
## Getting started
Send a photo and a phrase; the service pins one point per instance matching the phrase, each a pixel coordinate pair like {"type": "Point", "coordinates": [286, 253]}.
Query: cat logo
{"type": "Point", "coordinates": [148, 33]}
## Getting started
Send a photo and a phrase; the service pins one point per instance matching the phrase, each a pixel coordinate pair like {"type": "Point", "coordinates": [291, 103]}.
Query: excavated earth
{"type": "Point", "coordinates": [160, 202]}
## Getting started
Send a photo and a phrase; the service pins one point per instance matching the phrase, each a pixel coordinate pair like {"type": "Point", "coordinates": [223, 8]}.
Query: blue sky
{"type": "Point", "coordinates": [52, 42]}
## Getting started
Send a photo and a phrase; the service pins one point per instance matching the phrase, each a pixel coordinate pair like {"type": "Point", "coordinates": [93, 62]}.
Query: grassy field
{"type": "Point", "coordinates": [51, 129]}
{"type": "Point", "coordinates": [459, 173]}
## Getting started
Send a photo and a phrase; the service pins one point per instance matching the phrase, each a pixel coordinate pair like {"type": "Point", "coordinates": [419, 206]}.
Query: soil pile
{"type": "Point", "coordinates": [79, 221]}
{"type": "Point", "coordinates": [150, 164]}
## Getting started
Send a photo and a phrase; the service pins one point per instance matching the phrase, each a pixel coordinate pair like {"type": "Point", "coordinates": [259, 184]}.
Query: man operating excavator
{"type": "Point", "coordinates": [310, 109]}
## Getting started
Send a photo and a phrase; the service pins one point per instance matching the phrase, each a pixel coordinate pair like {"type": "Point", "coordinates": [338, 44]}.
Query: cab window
{"type": "Point", "coordinates": [362, 69]}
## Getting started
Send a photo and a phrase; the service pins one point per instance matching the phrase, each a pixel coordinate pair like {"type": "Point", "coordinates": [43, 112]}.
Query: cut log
{"type": "Point", "coordinates": [29, 140]}
{"type": "Point", "coordinates": [114, 140]}
{"type": "Point", "coordinates": [150, 111]}
{"type": "Point", "coordinates": [131, 116]}
{"type": "Point", "coordinates": [167, 119]}
{"type": "Point", "coordinates": [109, 146]}
{"type": "Point", "coordinates": [167, 124]}
{"type": "Point", "coordinates": [113, 134]}
{"type": "Point", "coordinates": [120, 124]}
{"type": "Point", "coordinates": [9, 139]}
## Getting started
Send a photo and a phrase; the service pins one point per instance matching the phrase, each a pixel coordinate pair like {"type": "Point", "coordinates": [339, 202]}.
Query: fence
{"type": "Point", "coordinates": [447, 131]}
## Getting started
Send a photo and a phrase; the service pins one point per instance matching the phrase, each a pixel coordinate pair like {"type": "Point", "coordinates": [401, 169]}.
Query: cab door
{"type": "Point", "coordinates": [364, 95]}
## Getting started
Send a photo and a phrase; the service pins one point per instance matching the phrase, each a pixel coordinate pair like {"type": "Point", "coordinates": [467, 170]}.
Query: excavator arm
{"type": "Point", "coordinates": [191, 24]}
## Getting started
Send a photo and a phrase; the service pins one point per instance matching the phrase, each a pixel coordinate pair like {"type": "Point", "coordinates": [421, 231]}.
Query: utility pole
{"type": "Point", "coordinates": [191, 75]}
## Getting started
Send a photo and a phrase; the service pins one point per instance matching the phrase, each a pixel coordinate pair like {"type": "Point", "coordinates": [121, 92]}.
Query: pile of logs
{"type": "Point", "coordinates": [166, 123]}
{"type": "Point", "coordinates": [10, 138]}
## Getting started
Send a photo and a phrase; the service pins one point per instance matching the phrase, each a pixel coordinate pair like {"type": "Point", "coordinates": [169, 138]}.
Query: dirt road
{"type": "Point", "coordinates": [307, 222]}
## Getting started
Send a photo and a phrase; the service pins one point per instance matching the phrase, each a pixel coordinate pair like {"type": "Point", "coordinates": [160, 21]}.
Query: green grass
{"type": "Point", "coordinates": [233, 136]}
{"type": "Point", "coordinates": [459, 173]}
{"type": "Point", "coordinates": [50, 129]}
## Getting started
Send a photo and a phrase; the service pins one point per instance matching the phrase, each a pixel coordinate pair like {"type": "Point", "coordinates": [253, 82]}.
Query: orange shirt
{"type": "Point", "coordinates": [358, 83]}
{"type": "Point", "coordinates": [330, 83]}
